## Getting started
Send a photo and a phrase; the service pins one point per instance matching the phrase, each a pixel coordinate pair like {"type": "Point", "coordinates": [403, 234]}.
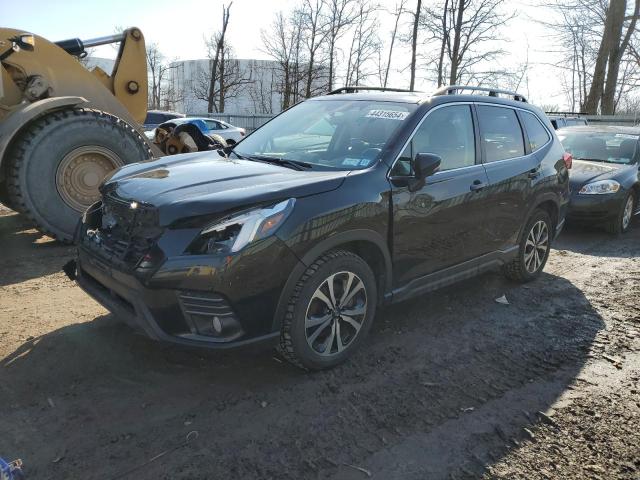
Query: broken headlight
{"type": "Point", "coordinates": [234, 233]}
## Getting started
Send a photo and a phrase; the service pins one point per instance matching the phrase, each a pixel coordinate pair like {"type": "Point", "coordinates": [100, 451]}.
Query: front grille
{"type": "Point", "coordinates": [122, 231]}
{"type": "Point", "coordinates": [209, 314]}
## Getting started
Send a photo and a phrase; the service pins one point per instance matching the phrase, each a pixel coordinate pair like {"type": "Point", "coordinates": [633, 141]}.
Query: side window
{"type": "Point", "coordinates": [447, 132]}
{"type": "Point", "coordinates": [537, 134]}
{"type": "Point", "coordinates": [212, 124]}
{"type": "Point", "coordinates": [500, 133]}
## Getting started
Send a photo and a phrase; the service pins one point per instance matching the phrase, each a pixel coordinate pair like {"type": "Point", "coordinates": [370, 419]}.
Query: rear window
{"type": "Point", "coordinates": [500, 133]}
{"type": "Point", "coordinates": [538, 135]}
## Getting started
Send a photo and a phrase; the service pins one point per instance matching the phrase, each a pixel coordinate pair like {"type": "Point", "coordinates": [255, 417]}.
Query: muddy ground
{"type": "Point", "coordinates": [450, 385]}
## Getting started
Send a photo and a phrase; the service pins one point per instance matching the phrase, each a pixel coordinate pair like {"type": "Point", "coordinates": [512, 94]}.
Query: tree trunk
{"type": "Point", "coordinates": [414, 45]}
{"type": "Point", "coordinates": [443, 45]}
{"type": "Point", "coordinates": [331, 52]}
{"type": "Point", "coordinates": [615, 56]}
{"type": "Point", "coordinates": [597, 83]}
{"type": "Point", "coordinates": [221, 90]}
{"type": "Point", "coordinates": [455, 54]}
{"type": "Point", "coordinates": [393, 40]}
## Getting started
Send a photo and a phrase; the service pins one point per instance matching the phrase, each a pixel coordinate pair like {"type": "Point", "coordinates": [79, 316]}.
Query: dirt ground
{"type": "Point", "coordinates": [450, 385]}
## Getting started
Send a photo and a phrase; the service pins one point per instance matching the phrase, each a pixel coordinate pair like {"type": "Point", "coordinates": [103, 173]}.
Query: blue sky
{"type": "Point", "coordinates": [179, 28]}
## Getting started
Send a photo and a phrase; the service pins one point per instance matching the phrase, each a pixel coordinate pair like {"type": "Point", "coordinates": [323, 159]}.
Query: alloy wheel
{"type": "Point", "coordinates": [335, 313]}
{"type": "Point", "coordinates": [536, 246]}
{"type": "Point", "coordinates": [627, 213]}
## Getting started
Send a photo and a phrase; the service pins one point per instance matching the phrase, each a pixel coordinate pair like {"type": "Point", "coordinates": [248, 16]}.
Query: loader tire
{"type": "Point", "coordinates": [57, 163]}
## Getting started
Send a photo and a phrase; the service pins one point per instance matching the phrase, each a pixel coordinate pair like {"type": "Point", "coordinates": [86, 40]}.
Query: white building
{"type": "Point", "coordinates": [188, 80]}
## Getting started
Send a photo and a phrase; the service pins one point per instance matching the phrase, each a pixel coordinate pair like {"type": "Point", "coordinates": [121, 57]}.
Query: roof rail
{"type": "Point", "coordinates": [566, 114]}
{"type": "Point", "coordinates": [357, 88]}
{"type": "Point", "coordinates": [492, 92]}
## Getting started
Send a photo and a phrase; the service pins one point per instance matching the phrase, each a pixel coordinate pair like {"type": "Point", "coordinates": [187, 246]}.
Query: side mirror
{"type": "Point", "coordinates": [424, 165]}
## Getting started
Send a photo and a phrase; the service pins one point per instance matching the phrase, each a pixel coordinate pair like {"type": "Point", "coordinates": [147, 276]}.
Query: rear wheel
{"type": "Point", "coordinates": [622, 222]}
{"type": "Point", "coordinates": [58, 162]}
{"type": "Point", "coordinates": [534, 248]}
{"type": "Point", "coordinates": [330, 311]}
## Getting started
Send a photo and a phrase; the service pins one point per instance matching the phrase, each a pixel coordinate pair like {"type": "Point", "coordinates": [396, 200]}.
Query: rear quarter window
{"type": "Point", "coordinates": [538, 135]}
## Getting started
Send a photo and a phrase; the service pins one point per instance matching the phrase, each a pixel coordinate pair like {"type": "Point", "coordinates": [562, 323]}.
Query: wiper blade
{"type": "Point", "coordinates": [295, 164]}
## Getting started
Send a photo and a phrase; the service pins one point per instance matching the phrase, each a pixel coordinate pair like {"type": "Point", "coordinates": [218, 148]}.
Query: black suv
{"type": "Point", "coordinates": [339, 204]}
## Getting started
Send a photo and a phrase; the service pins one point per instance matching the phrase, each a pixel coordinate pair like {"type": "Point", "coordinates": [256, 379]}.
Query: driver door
{"type": "Point", "coordinates": [442, 223]}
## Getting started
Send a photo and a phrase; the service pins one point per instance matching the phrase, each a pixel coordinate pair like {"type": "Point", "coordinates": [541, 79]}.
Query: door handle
{"type": "Point", "coordinates": [534, 173]}
{"type": "Point", "coordinates": [477, 185]}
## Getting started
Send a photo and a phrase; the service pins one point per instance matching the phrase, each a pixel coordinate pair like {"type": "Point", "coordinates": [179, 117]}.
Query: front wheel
{"type": "Point", "coordinates": [330, 311]}
{"type": "Point", "coordinates": [533, 250]}
{"type": "Point", "coordinates": [622, 222]}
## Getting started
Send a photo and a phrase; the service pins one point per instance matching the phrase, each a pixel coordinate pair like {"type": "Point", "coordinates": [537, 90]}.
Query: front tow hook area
{"type": "Point", "coordinates": [70, 269]}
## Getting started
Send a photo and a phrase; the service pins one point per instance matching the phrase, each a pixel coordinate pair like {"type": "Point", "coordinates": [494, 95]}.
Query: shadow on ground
{"type": "Point", "coordinates": [594, 241]}
{"type": "Point", "coordinates": [444, 386]}
{"type": "Point", "coordinates": [25, 253]}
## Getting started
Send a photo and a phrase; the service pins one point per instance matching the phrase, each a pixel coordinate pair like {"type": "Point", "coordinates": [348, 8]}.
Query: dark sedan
{"type": "Point", "coordinates": [604, 180]}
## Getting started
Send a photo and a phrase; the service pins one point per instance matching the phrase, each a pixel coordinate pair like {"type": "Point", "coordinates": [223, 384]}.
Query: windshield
{"type": "Point", "coordinates": [607, 147]}
{"type": "Point", "coordinates": [340, 134]}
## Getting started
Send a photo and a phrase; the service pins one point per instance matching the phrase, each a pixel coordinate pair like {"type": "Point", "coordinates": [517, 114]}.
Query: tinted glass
{"type": "Point", "coordinates": [607, 147]}
{"type": "Point", "coordinates": [342, 134]}
{"type": "Point", "coordinates": [447, 132]}
{"type": "Point", "coordinates": [153, 118]}
{"type": "Point", "coordinates": [500, 133]}
{"type": "Point", "coordinates": [537, 134]}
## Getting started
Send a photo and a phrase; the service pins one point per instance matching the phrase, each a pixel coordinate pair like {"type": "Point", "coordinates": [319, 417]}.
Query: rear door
{"type": "Point", "coordinates": [441, 224]}
{"type": "Point", "coordinates": [513, 169]}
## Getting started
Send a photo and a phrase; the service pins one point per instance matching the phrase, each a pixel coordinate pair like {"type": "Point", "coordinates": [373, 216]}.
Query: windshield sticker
{"type": "Point", "coordinates": [387, 114]}
{"type": "Point", "coordinates": [351, 161]}
{"type": "Point", "coordinates": [626, 135]}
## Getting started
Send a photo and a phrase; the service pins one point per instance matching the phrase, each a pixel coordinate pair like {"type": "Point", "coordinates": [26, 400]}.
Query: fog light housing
{"type": "Point", "coordinates": [210, 315]}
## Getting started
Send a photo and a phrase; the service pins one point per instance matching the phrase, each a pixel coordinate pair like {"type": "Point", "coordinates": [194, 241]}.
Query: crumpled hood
{"type": "Point", "coordinates": [583, 172]}
{"type": "Point", "coordinates": [205, 183]}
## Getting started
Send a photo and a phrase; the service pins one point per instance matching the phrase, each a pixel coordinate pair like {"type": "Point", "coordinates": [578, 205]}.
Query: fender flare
{"type": "Point", "coordinates": [18, 120]}
{"type": "Point", "coordinates": [329, 243]}
{"type": "Point", "coordinates": [545, 197]}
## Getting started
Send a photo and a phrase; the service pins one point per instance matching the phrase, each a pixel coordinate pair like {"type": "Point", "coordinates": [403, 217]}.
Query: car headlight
{"type": "Point", "coordinates": [600, 187]}
{"type": "Point", "coordinates": [234, 233]}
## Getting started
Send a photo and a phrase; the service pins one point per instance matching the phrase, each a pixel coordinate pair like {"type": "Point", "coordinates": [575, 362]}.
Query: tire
{"type": "Point", "coordinates": [55, 165]}
{"type": "Point", "coordinates": [230, 142]}
{"type": "Point", "coordinates": [306, 346]}
{"type": "Point", "coordinates": [621, 223]}
{"type": "Point", "coordinates": [530, 262]}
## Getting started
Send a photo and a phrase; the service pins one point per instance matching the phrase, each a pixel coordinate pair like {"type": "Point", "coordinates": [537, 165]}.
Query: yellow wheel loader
{"type": "Point", "coordinates": [63, 128]}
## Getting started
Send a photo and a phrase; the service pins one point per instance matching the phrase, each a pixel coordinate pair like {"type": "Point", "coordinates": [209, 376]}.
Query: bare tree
{"type": "Point", "coordinates": [365, 44]}
{"type": "Point", "coordinates": [341, 15]}
{"type": "Point", "coordinates": [466, 33]}
{"type": "Point", "coordinates": [598, 37]}
{"type": "Point", "coordinates": [397, 13]}
{"type": "Point", "coordinates": [314, 22]}
{"type": "Point", "coordinates": [414, 44]}
{"type": "Point", "coordinates": [279, 45]}
{"type": "Point", "coordinates": [230, 78]}
{"type": "Point", "coordinates": [216, 47]}
{"type": "Point", "coordinates": [157, 69]}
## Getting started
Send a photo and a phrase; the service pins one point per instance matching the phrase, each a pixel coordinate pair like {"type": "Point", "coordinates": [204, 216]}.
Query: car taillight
{"type": "Point", "coordinates": [568, 159]}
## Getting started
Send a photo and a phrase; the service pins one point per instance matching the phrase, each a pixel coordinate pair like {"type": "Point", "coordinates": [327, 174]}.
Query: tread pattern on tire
{"type": "Point", "coordinates": [514, 270]}
{"type": "Point", "coordinates": [614, 227]}
{"type": "Point", "coordinates": [25, 139]}
{"type": "Point", "coordinates": [285, 346]}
